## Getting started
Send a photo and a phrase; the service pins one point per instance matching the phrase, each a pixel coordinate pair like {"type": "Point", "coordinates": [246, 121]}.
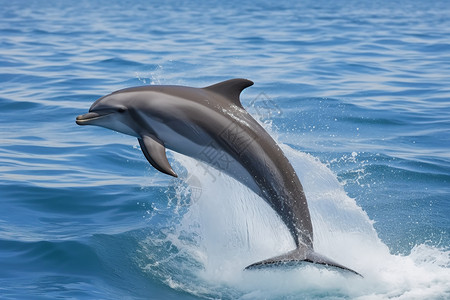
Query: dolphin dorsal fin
{"type": "Point", "coordinates": [230, 89]}
{"type": "Point", "coordinates": [155, 152]}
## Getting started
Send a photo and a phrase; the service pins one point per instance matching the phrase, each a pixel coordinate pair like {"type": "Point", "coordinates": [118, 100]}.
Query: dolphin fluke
{"type": "Point", "coordinates": [296, 257]}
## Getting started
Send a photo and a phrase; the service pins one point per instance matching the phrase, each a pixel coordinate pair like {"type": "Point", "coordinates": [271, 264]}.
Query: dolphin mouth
{"type": "Point", "coordinates": [87, 119]}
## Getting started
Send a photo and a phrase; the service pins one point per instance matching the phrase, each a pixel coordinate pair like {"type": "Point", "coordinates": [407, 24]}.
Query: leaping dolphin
{"type": "Point", "coordinates": [211, 125]}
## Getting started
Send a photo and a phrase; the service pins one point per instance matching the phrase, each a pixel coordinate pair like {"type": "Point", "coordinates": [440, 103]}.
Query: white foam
{"type": "Point", "coordinates": [234, 228]}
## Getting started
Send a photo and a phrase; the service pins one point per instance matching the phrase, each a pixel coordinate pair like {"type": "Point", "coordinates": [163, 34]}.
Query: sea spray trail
{"type": "Point", "coordinates": [226, 227]}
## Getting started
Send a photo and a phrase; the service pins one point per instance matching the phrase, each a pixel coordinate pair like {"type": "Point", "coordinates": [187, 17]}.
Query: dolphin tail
{"type": "Point", "coordinates": [296, 257]}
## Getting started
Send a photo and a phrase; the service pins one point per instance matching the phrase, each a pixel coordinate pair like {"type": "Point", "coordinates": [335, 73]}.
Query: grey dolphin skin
{"type": "Point", "coordinates": [211, 125]}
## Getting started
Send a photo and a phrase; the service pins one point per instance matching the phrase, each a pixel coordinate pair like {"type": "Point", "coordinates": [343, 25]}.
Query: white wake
{"type": "Point", "coordinates": [232, 228]}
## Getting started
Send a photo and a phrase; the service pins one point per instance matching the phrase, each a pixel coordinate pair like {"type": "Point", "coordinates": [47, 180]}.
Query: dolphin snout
{"type": "Point", "coordinates": [84, 119]}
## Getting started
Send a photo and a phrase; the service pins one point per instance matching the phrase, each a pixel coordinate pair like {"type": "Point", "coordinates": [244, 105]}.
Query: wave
{"type": "Point", "coordinates": [221, 227]}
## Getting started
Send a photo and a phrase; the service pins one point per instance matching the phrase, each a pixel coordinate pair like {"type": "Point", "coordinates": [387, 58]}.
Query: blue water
{"type": "Point", "coordinates": [357, 93]}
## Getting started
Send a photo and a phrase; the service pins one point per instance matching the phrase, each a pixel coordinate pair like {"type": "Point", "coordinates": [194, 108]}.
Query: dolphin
{"type": "Point", "coordinates": [211, 125]}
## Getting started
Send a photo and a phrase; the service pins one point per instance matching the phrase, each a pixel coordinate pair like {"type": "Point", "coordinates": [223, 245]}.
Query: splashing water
{"type": "Point", "coordinates": [227, 227]}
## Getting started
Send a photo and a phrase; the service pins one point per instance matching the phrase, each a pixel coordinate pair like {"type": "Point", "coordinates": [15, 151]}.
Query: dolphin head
{"type": "Point", "coordinates": [111, 111]}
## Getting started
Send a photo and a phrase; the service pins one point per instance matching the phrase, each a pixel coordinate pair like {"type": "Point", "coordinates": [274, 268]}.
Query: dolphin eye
{"type": "Point", "coordinates": [121, 109]}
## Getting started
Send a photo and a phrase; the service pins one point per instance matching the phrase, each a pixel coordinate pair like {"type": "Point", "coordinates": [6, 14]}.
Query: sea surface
{"type": "Point", "coordinates": [357, 94]}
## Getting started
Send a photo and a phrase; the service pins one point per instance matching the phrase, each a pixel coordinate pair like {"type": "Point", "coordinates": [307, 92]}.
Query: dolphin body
{"type": "Point", "coordinates": [211, 125]}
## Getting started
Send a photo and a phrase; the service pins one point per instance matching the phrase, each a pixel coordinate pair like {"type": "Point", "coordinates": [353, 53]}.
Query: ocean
{"type": "Point", "coordinates": [356, 93]}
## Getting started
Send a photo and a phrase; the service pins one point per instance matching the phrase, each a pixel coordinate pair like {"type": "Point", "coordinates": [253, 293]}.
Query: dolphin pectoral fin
{"type": "Point", "coordinates": [297, 257]}
{"type": "Point", "coordinates": [230, 89]}
{"type": "Point", "coordinates": [155, 153]}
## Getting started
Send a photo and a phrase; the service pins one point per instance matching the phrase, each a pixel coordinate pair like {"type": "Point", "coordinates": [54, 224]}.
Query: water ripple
{"type": "Point", "coordinates": [361, 85]}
